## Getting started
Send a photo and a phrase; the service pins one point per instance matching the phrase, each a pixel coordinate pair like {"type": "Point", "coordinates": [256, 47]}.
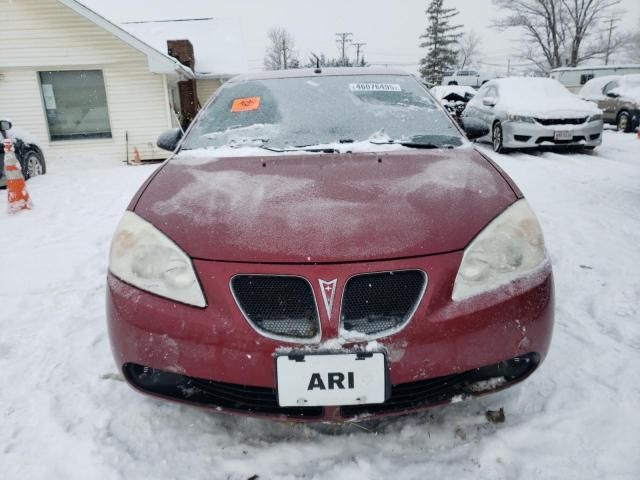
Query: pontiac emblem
{"type": "Point", "coordinates": [328, 294]}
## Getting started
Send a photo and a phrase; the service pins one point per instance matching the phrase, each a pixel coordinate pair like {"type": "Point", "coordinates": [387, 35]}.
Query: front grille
{"type": "Point", "coordinates": [241, 398]}
{"type": "Point", "coordinates": [378, 302]}
{"type": "Point", "coordinates": [277, 305]}
{"type": "Point", "coordinates": [561, 121]}
{"type": "Point", "coordinates": [424, 393]}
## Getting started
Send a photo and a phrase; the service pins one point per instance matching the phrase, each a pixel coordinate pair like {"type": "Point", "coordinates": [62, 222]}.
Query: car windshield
{"type": "Point", "coordinates": [301, 112]}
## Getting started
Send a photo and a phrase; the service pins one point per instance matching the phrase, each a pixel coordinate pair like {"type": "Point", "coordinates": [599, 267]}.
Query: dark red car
{"type": "Point", "coordinates": [327, 246]}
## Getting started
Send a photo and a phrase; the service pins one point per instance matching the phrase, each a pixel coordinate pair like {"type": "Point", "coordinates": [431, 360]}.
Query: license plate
{"type": "Point", "coordinates": [564, 135]}
{"type": "Point", "coordinates": [331, 379]}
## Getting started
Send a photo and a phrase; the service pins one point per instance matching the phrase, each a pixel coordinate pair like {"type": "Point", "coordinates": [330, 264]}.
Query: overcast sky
{"type": "Point", "coordinates": [390, 29]}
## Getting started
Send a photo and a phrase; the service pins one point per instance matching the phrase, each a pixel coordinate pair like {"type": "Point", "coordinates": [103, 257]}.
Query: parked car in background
{"type": "Point", "coordinates": [454, 97]}
{"type": "Point", "coordinates": [27, 150]}
{"type": "Point", "coordinates": [573, 78]}
{"type": "Point", "coordinates": [525, 112]}
{"type": "Point", "coordinates": [470, 78]}
{"type": "Point", "coordinates": [618, 96]}
{"type": "Point", "coordinates": [304, 265]}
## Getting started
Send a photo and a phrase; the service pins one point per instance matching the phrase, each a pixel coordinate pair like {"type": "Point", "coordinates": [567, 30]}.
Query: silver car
{"type": "Point", "coordinates": [526, 112]}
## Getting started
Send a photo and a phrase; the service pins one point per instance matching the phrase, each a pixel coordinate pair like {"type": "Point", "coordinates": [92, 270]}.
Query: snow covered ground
{"type": "Point", "coordinates": [65, 412]}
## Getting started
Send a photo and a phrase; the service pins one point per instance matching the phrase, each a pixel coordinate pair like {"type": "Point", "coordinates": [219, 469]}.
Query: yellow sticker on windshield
{"type": "Point", "coordinates": [245, 104]}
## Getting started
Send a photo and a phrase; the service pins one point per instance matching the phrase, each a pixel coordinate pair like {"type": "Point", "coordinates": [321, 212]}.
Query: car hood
{"type": "Point", "coordinates": [322, 208]}
{"type": "Point", "coordinates": [554, 107]}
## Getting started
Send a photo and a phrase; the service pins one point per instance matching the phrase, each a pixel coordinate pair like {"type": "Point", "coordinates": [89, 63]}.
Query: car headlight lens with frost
{"type": "Point", "coordinates": [595, 118]}
{"type": "Point", "coordinates": [144, 257]}
{"type": "Point", "coordinates": [520, 118]}
{"type": "Point", "coordinates": [510, 247]}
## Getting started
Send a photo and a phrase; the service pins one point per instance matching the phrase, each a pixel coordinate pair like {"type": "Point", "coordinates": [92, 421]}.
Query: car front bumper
{"type": "Point", "coordinates": [212, 357]}
{"type": "Point", "coordinates": [535, 135]}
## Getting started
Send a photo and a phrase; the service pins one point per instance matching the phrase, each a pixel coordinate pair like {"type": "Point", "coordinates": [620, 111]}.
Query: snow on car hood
{"type": "Point", "coordinates": [325, 207]}
{"type": "Point", "coordinates": [540, 98]}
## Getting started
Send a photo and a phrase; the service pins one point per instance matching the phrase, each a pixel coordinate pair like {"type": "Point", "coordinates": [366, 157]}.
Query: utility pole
{"type": "Point", "coordinates": [358, 46]}
{"type": "Point", "coordinates": [284, 53]}
{"type": "Point", "coordinates": [612, 22]}
{"type": "Point", "coordinates": [343, 39]}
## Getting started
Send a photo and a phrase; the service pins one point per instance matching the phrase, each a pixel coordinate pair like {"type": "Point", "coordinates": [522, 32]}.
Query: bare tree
{"type": "Point", "coordinates": [560, 32]}
{"type": "Point", "coordinates": [583, 16]}
{"type": "Point", "coordinates": [281, 53]}
{"type": "Point", "coordinates": [544, 26]}
{"type": "Point", "coordinates": [468, 49]}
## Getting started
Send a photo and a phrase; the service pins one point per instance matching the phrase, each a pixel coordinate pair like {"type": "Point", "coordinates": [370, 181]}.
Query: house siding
{"type": "Point", "coordinates": [45, 35]}
{"type": "Point", "coordinates": [206, 88]}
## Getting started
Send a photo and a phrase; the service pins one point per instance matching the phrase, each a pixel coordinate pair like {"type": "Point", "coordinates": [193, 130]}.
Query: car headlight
{"type": "Point", "coordinates": [144, 257]}
{"type": "Point", "coordinates": [510, 247]}
{"type": "Point", "coordinates": [595, 118]}
{"type": "Point", "coordinates": [520, 118]}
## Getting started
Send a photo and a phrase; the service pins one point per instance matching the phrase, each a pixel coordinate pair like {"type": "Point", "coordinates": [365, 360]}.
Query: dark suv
{"type": "Point", "coordinates": [28, 152]}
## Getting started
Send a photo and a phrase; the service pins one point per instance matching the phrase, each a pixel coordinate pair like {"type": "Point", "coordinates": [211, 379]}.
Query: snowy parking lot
{"type": "Point", "coordinates": [66, 412]}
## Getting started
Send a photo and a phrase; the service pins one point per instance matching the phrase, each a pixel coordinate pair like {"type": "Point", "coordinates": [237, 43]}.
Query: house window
{"type": "Point", "coordinates": [76, 104]}
{"type": "Point", "coordinates": [586, 77]}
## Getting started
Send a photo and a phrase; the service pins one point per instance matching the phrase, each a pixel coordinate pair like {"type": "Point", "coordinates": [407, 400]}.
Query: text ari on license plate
{"type": "Point", "coordinates": [331, 379]}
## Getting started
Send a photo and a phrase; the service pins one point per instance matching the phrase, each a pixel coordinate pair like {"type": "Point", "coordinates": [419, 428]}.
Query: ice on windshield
{"type": "Point", "coordinates": [294, 112]}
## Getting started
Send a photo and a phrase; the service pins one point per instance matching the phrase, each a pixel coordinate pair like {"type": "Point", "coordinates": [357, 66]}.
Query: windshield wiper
{"type": "Point", "coordinates": [411, 144]}
{"type": "Point", "coordinates": [305, 148]}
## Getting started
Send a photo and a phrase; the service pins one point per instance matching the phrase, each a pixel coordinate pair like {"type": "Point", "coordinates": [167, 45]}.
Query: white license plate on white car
{"type": "Point", "coordinates": [564, 135]}
{"type": "Point", "coordinates": [331, 379]}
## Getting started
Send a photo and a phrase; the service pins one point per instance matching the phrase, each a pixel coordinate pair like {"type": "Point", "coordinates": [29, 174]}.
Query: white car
{"type": "Point", "coordinates": [525, 112]}
{"type": "Point", "coordinates": [470, 78]}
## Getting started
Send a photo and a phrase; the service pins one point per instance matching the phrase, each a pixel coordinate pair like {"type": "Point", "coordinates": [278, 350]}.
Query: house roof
{"type": "Point", "coordinates": [159, 62]}
{"type": "Point", "coordinates": [218, 43]}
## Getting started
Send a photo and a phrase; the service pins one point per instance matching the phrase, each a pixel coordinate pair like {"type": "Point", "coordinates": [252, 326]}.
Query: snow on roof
{"type": "Point", "coordinates": [593, 88]}
{"type": "Point", "coordinates": [218, 43]}
{"type": "Point", "coordinates": [159, 61]}
{"type": "Point", "coordinates": [537, 96]}
{"type": "Point", "coordinates": [597, 67]}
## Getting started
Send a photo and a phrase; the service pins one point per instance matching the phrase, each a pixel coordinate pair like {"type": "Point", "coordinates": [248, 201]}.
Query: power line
{"type": "Point", "coordinates": [343, 39]}
{"type": "Point", "coordinates": [358, 46]}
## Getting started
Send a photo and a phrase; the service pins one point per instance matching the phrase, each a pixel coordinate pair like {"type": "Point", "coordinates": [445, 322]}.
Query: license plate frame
{"type": "Point", "coordinates": [300, 378]}
{"type": "Point", "coordinates": [563, 135]}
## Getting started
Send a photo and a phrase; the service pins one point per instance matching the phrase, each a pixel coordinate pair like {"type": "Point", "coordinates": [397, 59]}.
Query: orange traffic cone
{"type": "Point", "coordinates": [136, 156]}
{"type": "Point", "coordinates": [16, 187]}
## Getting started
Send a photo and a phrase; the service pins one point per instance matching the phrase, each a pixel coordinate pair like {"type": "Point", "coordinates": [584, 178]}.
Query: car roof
{"type": "Point", "coordinates": [325, 72]}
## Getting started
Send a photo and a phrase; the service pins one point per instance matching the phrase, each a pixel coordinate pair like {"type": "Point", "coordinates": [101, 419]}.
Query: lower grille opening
{"type": "Point", "coordinates": [540, 140]}
{"type": "Point", "coordinates": [241, 398]}
{"type": "Point", "coordinates": [277, 305]}
{"type": "Point", "coordinates": [424, 393]}
{"type": "Point", "coordinates": [522, 138]}
{"type": "Point", "coordinates": [377, 302]}
{"type": "Point", "coordinates": [594, 136]}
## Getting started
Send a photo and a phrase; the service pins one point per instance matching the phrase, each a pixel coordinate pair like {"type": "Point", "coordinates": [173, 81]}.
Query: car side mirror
{"type": "Point", "coordinates": [5, 125]}
{"type": "Point", "coordinates": [474, 128]}
{"type": "Point", "coordinates": [489, 102]}
{"type": "Point", "coordinates": [169, 139]}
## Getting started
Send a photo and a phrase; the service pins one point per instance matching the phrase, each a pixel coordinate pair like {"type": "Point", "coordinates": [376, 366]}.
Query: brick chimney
{"type": "Point", "coordinates": [182, 50]}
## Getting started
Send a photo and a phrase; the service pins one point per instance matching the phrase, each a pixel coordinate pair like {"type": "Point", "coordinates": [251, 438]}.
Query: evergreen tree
{"type": "Point", "coordinates": [440, 40]}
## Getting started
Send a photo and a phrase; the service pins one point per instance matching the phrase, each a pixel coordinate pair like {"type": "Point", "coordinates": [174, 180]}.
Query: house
{"type": "Point", "coordinates": [87, 88]}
